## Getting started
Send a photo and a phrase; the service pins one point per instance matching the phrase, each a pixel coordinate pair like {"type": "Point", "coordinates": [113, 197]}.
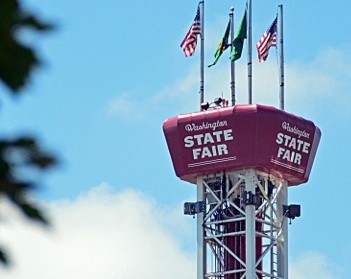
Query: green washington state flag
{"type": "Point", "coordinates": [238, 42]}
{"type": "Point", "coordinates": [223, 45]}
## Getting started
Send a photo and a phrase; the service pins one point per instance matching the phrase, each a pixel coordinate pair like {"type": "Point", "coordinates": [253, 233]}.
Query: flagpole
{"type": "Point", "coordinates": [281, 56]}
{"type": "Point", "coordinates": [202, 55]}
{"type": "Point", "coordinates": [232, 63]}
{"type": "Point", "coordinates": [282, 252]}
{"type": "Point", "coordinates": [249, 42]}
{"type": "Point", "coordinates": [201, 245]}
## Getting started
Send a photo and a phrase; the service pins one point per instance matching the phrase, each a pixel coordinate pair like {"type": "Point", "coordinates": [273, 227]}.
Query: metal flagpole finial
{"type": "Point", "coordinates": [232, 9]}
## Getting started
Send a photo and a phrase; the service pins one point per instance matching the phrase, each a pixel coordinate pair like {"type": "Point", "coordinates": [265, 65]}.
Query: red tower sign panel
{"type": "Point", "coordinates": [239, 137]}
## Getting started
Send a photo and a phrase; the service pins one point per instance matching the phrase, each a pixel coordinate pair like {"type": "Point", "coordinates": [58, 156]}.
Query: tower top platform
{"type": "Point", "coordinates": [242, 137]}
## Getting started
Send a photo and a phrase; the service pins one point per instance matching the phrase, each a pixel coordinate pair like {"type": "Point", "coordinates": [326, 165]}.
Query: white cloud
{"type": "Point", "coordinates": [120, 105]}
{"type": "Point", "coordinates": [98, 235]}
{"type": "Point", "coordinates": [324, 80]}
{"type": "Point", "coordinates": [312, 265]}
{"type": "Point", "coordinates": [108, 235]}
{"type": "Point", "coordinates": [126, 107]}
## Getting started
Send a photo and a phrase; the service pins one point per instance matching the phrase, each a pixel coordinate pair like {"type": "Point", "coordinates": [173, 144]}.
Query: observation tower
{"type": "Point", "coordinates": [242, 159]}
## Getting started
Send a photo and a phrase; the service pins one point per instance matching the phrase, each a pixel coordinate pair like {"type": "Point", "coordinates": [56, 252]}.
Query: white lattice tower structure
{"type": "Point", "coordinates": [242, 232]}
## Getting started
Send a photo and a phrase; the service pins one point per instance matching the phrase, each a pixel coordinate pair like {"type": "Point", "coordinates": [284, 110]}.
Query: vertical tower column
{"type": "Point", "coordinates": [201, 251]}
{"type": "Point", "coordinates": [283, 236]}
{"type": "Point", "coordinates": [250, 225]}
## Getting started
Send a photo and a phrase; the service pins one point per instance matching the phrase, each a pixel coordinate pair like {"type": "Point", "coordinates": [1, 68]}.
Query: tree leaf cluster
{"type": "Point", "coordinates": [20, 154]}
{"type": "Point", "coordinates": [16, 59]}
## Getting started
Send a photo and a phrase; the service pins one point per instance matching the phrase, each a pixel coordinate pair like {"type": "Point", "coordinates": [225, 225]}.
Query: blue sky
{"type": "Point", "coordinates": [113, 72]}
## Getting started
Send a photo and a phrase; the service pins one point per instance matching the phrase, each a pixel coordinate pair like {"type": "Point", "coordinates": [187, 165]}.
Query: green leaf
{"type": "Point", "coordinates": [4, 258]}
{"type": "Point", "coordinates": [33, 213]}
{"type": "Point", "coordinates": [17, 61]}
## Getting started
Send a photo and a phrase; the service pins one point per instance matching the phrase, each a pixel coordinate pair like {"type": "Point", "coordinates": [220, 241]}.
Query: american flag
{"type": "Point", "coordinates": [189, 43]}
{"type": "Point", "coordinates": [268, 39]}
